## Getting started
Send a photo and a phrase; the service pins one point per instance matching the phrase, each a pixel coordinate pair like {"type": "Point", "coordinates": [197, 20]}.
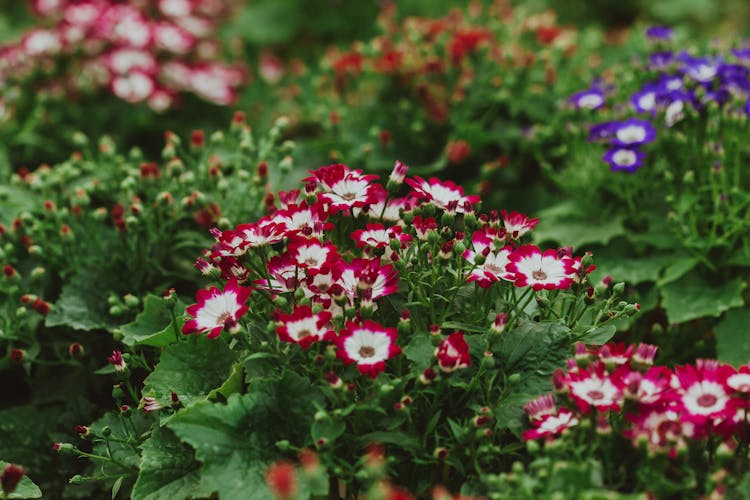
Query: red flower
{"type": "Point", "coordinates": [281, 479]}
{"type": "Point", "coordinates": [217, 310]}
{"type": "Point", "coordinates": [369, 345]}
{"type": "Point", "coordinates": [453, 353]}
{"type": "Point", "coordinates": [304, 327]}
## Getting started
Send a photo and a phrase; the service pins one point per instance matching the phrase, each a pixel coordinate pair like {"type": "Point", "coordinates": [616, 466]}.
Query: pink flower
{"type": "Point", "coordinates": [423, 226]}
{"type": "Point", "coordinates": [312, 254]}
{"type": "Point", "coordinates": [491, 265]}
{"type": "Point", "coordinates": [540, 270]}
{"type": "Point", "coordinates": [551, 425]}
{"type": "Point", "coordinates": [135, 87]}
{"type": "Point", "coordinates": [217, 310]}
{"type": "Point", "coordinates": [366, 274]}
{"type": "Point", "coordinates": [540, 407]}
{"type": "Point", "coordinates": [441, 193]}
{"type": "Point", "coordinates": [344, 189]}
{"type": "Point", "coordinates": [117, 361]}
{"type": "Point", "coordinates": [516, 224]}
{"type": "Point", "coordinates": [368, 345]}
{"type": "Point", "coordinates": [377, 236]}
{"type": "Point", "coordinates": [594, 388]}
{"type": "Point", "coordinates": [703, 392]}
{"type": "Point", "coordinates": [304, 327]}
{"type": "Point", "coordinates": [303, 219]}
{"type": "Point", "coordinates": [452, 353]}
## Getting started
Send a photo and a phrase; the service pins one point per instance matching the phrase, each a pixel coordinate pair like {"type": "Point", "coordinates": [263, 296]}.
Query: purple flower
{"type": "Point", "coordinates": [700, 69]}
{"type": "Point", "coordinates": [644, 101]}
{"type": "Point", "coordinates": [742, 54]}
{"type": "Point", "coordinates": [601, 131]}
{"type": "Point", "coordinates": [633, 132]}
{"type": "Point", "coordinates": [659, 33]}
{"type": "Point", "coordinates": [660, 60]}
{"type": "Point", "coordinates": [592, 98]}
{"type": "Point", "coordinates": [624, 159]}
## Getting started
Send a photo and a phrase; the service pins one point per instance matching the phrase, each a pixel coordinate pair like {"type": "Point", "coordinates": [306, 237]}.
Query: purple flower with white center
{"type": "Point", "coordinates": [661, 59]}
{"type": "Point", "coordinates": [674, 112]}
{"type": "Point", "coordinates": [588, 99]}
{"type": "Point", "coordinates": [661, 33]}
{"type": "Point", "coordinates": [601, 131]}
{"type": "Point", "coordinates": [624, 159]}
{"type": "Point", "coordinates": [670, 83]}
{"type": "Point", "coordinates": [644, 101]}
{"type": "Point", "coordinates": [699, 69]}
{"type": "Point", "coordinates": [633, 132]}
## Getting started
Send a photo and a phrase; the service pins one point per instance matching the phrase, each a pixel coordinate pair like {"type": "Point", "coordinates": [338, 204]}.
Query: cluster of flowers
{"type": "Point", "coordinates": [683, 82]}
{"type": "Point", "coordinates": [664, 409]}
{"type": "Point", "coordinates": [432, 57]}
{"type": "Point", "coordinates": [143, 52]}
{"type": "Point", "coordinates": [303, 252]}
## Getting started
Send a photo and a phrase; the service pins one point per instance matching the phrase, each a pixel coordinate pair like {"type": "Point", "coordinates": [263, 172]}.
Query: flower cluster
{"type": "Point", "coordinates": [147, 52]}
{"type": "Point", "coordinates": [683, 83]}
{"type": "Point", "coordinates": [336, 249]}
{"type": "Point", "coordinates": [664, 409]}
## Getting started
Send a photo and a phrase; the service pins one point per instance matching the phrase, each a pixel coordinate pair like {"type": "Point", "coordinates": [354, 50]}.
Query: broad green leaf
{"type": "Point", "coordinates": [578, 232]}
{"type": "Point", "coordinates": [168, 468]}
{"type": "Point", "coordinates": [153, 326]}
{"type": "Point", "coordinates": [328, 429]}
{"type": "Point", "coordinates": [691, 297]}
{"type": "Point", "coordinates": [191, 368]}
{"type": "Point", "coordinates": [25, 489]}
{"type": "Point", "coordinates": [598, 336]}
{"type": "Point", "coordinates": [679, 268]}
{"type": "Point", "coordinates": [234, 383]}
{"type": "Point", "coordinates": [236, 441]}
{"type": "Point", "coordinates": [733, 337]}
{"type": "Point", "coordinates": [532, 350]}
{"type": "Point", "coordinates": [420, 351]}
{"type": "Point", "coordinates": [83, 303]}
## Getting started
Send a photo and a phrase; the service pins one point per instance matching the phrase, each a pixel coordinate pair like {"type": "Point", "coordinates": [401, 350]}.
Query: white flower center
{"type": "Point", "coordinates": [625, 157]}
{"type": "Point", "coordinates": [590, 101]}
{"type": "Point", "coordinates": [631, 134]}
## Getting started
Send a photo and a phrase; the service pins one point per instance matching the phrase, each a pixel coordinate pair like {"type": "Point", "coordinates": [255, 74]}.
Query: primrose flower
{"type": "Point", "coordinates": [452, 353]}
{"type": "Point", "coordinates": [217, 310]}
{"type": "Point", "coordinates": [624, 159]}
{"type": "Point", "coordinates": [593, 388]}
{"type": "Point", "coordinates": [368, 344]}
{"type": "Point", "coordinates": [703, 392]}
{"type": "Point", "coordinates": [529, 266]}
{"type": "Point", "coordinates": [304, 327]}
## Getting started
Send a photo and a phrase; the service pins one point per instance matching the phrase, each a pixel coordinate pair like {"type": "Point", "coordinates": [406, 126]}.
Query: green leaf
{"type": "Point", "coordinates": [562, 224]}
{"type": "Point", "coordinates": [168, 468]}
{"type": "Point", "coordinates": [401, 439]}
{"type": "Point", "coordinates": [328, 429]}
{"type": "Point", "coordinates": [733, 337]}
{"type": "Point", "coordinates": [236, 441]}
{"type": "Point", "coordinates": [420, 351]}
{"type": "Point", "coordinates": [532, 350]}
{"type": "Point", "coordinates": [191, 369]}
{"type": "Point", "coordinates": [83, 303]}
{"type": "Point", "coordinates": [691, 297]}
{"type": "Point", "coordinates": [598, 336]}
{"type": "Point", "coordinates": [25, 489]}
{"type": "Point", "coordinates": [678, 269]}
{"type": "Point", "coordinates": [153, 326]}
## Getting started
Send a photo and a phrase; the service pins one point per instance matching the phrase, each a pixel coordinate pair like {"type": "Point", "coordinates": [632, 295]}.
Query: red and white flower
{"type": "Point", "coordinates": [285, 275]}
{"type": "Point", "coordinates": [312, 254]}
{"type": "Point", "coordinates": [442, 193]}
{"type": "Point", "coordinates": [551, 425]}
{"type": "Point", "coordinates": [517, 224]}
{"type": "Point", "coordinates": [366, 274]}
{"type": "Point", "coordinates": [540, 270]}
{"type": "Point", "coordinates": [423, 226]}
{"type": "Point", "coordinates": [304, 327]}
{"type": "Point", "coordinates": [452, 353]}
{"type": "Point", "coordinates": [217, 310]}
{"type": "Point", "coordinates": [369, 345]}
{"type": "Point", "coordinates": [593, 387]}
{"type": "Point", "coordinates": [491, 267]}
{"type": "Point", "coordinates": [377, 236]}
{"type": "Point", "coordinates": [703, 392]}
